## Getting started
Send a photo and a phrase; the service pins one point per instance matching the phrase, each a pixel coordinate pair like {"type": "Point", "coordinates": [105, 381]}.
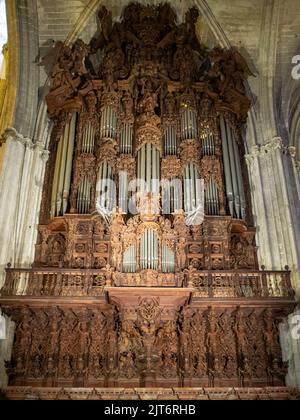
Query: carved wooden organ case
{"type": "Point", "coordinates": [145, 277]}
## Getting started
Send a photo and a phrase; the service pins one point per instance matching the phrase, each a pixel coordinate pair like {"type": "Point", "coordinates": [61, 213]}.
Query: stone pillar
{"type": "Point", "coordinates": [276, 233]}
{"type": "Point", "coordinates": [20, 190]}
{"type": "Point", "coordinates": [290, 344]}
{"type": "Point", "coordinates": [276, 230]}
{"type": "Point", "coordinates": [5, 350]}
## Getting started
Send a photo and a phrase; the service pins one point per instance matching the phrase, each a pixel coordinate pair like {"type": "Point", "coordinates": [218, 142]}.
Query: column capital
{"type": "Point", "coordinates": [261, 151]}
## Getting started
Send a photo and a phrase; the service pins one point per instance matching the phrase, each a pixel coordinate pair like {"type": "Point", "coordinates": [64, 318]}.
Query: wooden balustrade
{"type": "Point", "coordinates": [206, 284]}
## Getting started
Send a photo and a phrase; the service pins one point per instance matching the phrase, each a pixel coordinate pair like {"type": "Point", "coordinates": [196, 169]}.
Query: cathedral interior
{"type": "Point", "coordinates": [150, 200]}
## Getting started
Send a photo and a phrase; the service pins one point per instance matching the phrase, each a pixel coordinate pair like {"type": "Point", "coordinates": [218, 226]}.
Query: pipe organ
{"type": "Point", "coordinates": [151, 293]}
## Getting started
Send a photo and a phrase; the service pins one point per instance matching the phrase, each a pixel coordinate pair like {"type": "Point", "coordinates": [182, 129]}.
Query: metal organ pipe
{"type": "Point", "coordinates": [129, 260]}
{"type": "Point", "coordinates": [148, 163]}
{"type": "Point", "coordinates": [63, 169]}
{"type": "Point", "coordinates": [170, 141]}
{"type": "Point", "coordinates": [191, 187]}
{"type": "Point", "coordinates": [108, 123]}
{"type": "Point", "coordinates": [236, 198]}
{"type": "Point", "coordinates": [168, 260]}
{"type": "Point", "coordinates": [233, 172]}
{"type": "Point", "coordinates": [189, 124]}
{"type": "Point", "coordinates": [148, 167]}
{"type": "Point", "coordinates": [240, 180]}
{"type": "Point", "coordinates": [227, 169]}
{"type": "Point", "coordinates": [69, 157]}
{"type": "Point", "coordinates": [126, 139]}
{"type": "Point", "coordinates": [208, 146]}
{"type": "Point", "coordinates": [212, 199]}
{"type": "Point", "coordinates": [149, 250]}
{"type": "Point", "coordinates": [88, 139]}
{"type": "Point", "coordinates": [107, 194]}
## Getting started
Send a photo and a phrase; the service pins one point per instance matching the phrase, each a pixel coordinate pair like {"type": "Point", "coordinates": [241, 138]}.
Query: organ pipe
{"type": "Point", "coordinates": [108, 123]}
{"type": "Point", "coordinates": [126, 139]}
{"type": "Point", "coordinates": [84, 196]}
{"type": "Point", "coordinates": [233, 172]}
{"type": "Point", "coordinates": [208, 146]}
{"type": "Point", "coordinates": [149, 250]}
{"type": "Point", "coordinates": [236, 198]}
{"type": "Point", "coordinates": [105, 187]}
{"type": "Point", "coordinates": [189, 124]}
{"type": "Point", "coordinates": [240, 180]}
{"type": "Point", "coordinates": [148, 167]}
{"type": "Point", "coordinates": [212, 199]}
{"type": "Point", "coordinates": [168, 260]}
{"type": "Point", "coordinates": [170, 141]}
{"type": "Point", "coordinates": [191, 187]}
{"type": "Point", "coordinates": [63, 169]}
{"type": "Point", "coordinates": [129, 260]}
{"type": "Point", "coordinates": [227, 169]}
{"type": "Point", "coordinates": [88, 139]}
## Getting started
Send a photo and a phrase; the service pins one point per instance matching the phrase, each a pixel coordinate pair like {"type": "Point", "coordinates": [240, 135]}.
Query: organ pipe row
{"type": "Point", "coordinates": [233, 172]}
{"type": "Point", "coordinates": [129, 260]}
{"type": "Point", "coordinates": [88, 139]}
{"type": "Point", "coordinates": [171, 196]}
{"type": "Point", "coordinates": [189, 125]}
{"type": "Point", "coordinates": [84, 196]}
{"type": "Point", "coordinates": [126, 139]}
{"type": "Point", "coordinates": [208, 145]}
{"type": "Point", "coordinates": [108, 123]}
{"type": "Point", "coordinates": [63, 169]}
{"type": "Point", "coordinates": [192, 188]}
{"type": "Point", "coordinates": [149, 250]}
{"type": "Point", "coordinates": [148, 168]}
{"type": "Point", "coordinates": [106, 189]}
{"type": "Point", "coordinates": [170, 141]}
{"type": "Point", "coordinates": [211, 199]}
{"type": "Point", "coordinates": [168, 260]}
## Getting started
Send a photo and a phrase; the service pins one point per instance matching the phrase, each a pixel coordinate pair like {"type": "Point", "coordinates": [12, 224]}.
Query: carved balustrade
{"type": "Point", "coordinates": [205, 284]}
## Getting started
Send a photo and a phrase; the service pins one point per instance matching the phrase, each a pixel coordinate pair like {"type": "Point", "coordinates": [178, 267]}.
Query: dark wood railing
{"type": "Point", "coordinates": [206, 284]}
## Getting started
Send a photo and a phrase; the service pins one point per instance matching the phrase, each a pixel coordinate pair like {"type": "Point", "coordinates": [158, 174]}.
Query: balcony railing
{"type": "Point", "coordinates": [60, 282]}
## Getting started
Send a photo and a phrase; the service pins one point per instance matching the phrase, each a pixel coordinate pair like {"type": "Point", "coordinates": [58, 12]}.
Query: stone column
{"type": "Point", "coordinates": [290, 344]}
{"type": "Point", "coordinates": [276, 233]}
{"type": "Point", "coordinates": [5, 350]}
{"type": "Point", "coordinates": [277, 229]}
{"type": "Point", "coordinates": [20, 190]}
